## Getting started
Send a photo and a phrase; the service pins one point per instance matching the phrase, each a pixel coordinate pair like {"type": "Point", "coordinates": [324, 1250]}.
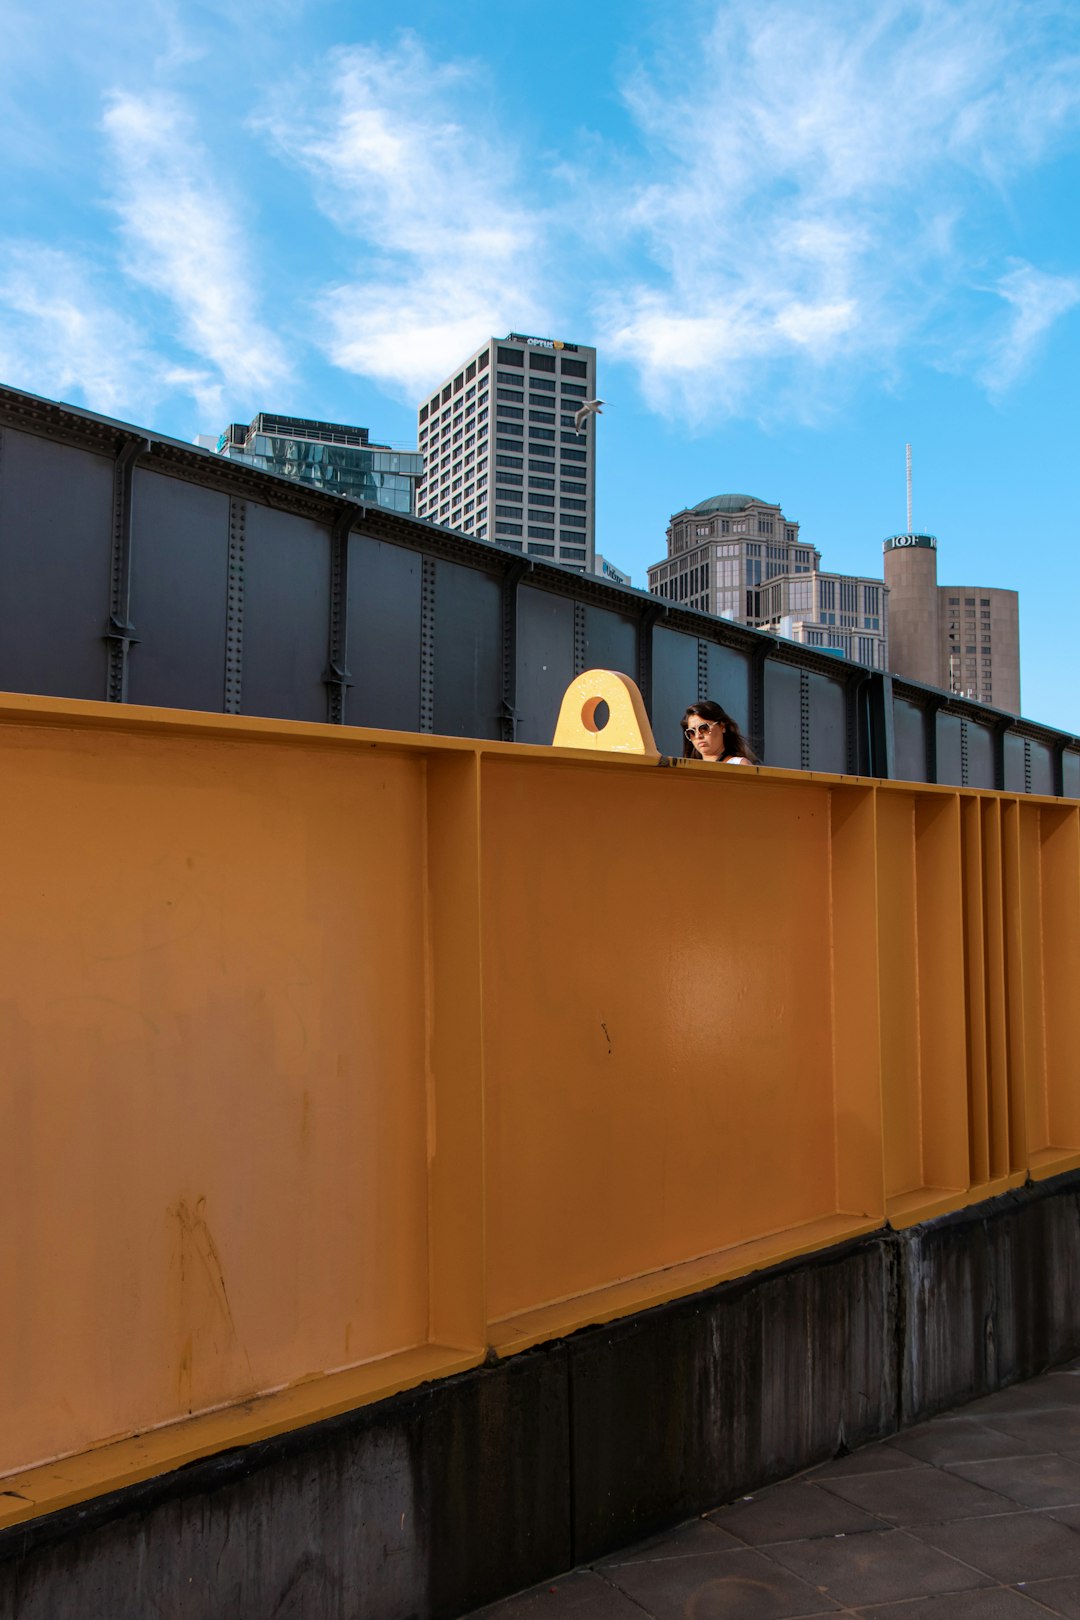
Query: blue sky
{"type": "Point", "coordinates": [800, 233]}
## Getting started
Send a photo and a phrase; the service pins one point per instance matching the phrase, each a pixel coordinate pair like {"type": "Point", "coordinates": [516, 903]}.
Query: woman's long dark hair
{"type": "Point", "coordinates": [735, 744]}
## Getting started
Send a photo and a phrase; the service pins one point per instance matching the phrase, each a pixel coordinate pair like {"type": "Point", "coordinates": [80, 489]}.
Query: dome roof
{"type": "Point", "coordinates": [729, 503]}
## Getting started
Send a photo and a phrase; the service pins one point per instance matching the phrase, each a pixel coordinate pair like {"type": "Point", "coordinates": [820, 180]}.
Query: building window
{"type": "Point", "coordinates": [509, 478]}
{"type": "Point", "coordinates": [575, 506]}
{"type": "Point", "coordinates": [542, 382]}
{"type": "Point", "coordinates": [541, 362]}
{"type": "Point", "coordinates": [570, 539]}
{"type": "Point", "coordinates": [569, 488]}
{"type": "Point", "coordinates": [984, 601]}
{"type": "Point", "coordinates": [508, 512]}
{"type": "Point", "coordinates": [704, 528]}
{"type": "Point", "coordinates": [541, 416]}
{"type": "Point", "coordinates": [572, 521]}
{"type": "Point", "coordinates": [542, 466]}
{"type": "Point", "coordinates": [508, 461]}
{"type": "Point", "coordinates": [483, 360]}
{"type": "Point", "coordinates": [573, 368]}
{"type": "Point", "coordinates": [574, 553]}
{"type": "Point", "coordinates": [541, 483]}
{"type": "Point", "coordinates": [540, 551]}
{"type": "Point", "coordinates": [574, 388]}
{"type": "Point", "coordinates": [510, 411]}
{"type": "Point", "coordinates": [540, 432]}
{"type": "Point", "coordinates": [538, 533]}
{"type": "Point", "coordinates": [511, 357]}
{"type": "Point", "coordinates": [574, 455]}
{"type": "Point", "coordinates": [508, 528]}
{"type": "Point", "coordinates": [536, 499]}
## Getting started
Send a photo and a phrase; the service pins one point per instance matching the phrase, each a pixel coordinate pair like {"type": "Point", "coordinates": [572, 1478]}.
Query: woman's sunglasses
{"type": "Point", "coordinates": [703, 730]}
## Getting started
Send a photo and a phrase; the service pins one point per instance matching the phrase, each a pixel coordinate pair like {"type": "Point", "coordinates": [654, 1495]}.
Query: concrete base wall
{"type": "Point", "coordinates": [455, 1494]}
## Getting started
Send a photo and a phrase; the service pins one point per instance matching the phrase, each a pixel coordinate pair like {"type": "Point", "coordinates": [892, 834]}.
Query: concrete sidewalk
{"type": "Point", "coordinates": [972, 1516]}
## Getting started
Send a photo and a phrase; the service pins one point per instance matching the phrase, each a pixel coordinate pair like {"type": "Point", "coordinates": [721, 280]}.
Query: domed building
{"type": "Point", "coordinates": [740, 558]}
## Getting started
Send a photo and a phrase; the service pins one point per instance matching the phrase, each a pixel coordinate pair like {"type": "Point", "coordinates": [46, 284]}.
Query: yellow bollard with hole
{"type": "Point", "coordinates": [627, 730]}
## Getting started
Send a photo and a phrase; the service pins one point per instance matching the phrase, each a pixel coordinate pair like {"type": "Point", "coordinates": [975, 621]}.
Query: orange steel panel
{"type": "Point", "coordinates": [1059, 831]}
{"type": "Point", "coordinates": [924, 1023]}
{"type": "Point", "coordinates": [856, 1002]}
{"type": "Point", "coordinates": [214, 1130]}
{"type": "Point", "coordinates": [659, 1064]}
{"type": "Point", "coordinates": [898, 967]}
{"type": "Point", "coordinates": [334, 1056]}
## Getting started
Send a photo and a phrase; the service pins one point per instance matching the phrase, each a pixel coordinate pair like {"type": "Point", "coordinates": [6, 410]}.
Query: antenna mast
{"type": "Point", "coordinates": [909, 528]}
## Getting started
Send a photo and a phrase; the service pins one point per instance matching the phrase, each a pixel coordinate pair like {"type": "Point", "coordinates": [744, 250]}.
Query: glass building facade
{"type": "Point", "coordinates": [330, 456]}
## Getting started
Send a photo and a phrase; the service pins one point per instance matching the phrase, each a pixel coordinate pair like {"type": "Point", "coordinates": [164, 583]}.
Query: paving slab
{"type": "Point", "coordinates": [744, 1585]}
{"type": "Point", "coordinates": [988, 1603]}
{"type": "Point", "coordinates": [582, 1595]}
{"type": "Point", "coordinates": [882, 1458]}
{"type": "Point", "coordinates": [1011, 1547]}
{"type": "Point", "coordinates": [793, 1512]}
{"type": "Point", "coordinates": [919, 1497]}
{"type": "Point", "coordinates": [687, 1541]}
{"type": "Point", "coordinates": [878, 1568]}
{"type": "Point", "coordinates": [1035, 1482]}
{"type": "Point", "coordinates": [1056, 1430]}
{"type": "Point", "coordinates": [947, 1440]}
{"type": "Point", "coordinates": [1044, 1394]}
{"type": "Point", "coordinates": [1061, 1597]}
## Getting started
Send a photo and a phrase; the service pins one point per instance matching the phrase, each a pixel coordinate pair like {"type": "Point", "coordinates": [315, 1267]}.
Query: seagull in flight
{"type": "Point", "coordinates": [590, 407]}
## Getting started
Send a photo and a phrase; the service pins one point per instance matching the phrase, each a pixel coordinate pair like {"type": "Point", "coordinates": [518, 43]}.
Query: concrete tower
{"type": "Point", "coordinates": [914, 632]}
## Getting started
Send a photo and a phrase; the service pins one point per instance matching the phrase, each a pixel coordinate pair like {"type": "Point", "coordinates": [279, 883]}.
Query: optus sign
{"type": "Point", "coordinates": [539, 343]}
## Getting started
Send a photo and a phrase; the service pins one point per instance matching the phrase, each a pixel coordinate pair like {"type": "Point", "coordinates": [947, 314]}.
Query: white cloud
{"type": "Point", "coordinates": [810, 173]}
{"type": "Point", "coordinates": [61, 338]}
{"type": "Point", "coordinates": [1036, 300]}
{"type": "Point", "coordinates": [449, 249]}
{"type": "Point", "coordinates": [184, 241]}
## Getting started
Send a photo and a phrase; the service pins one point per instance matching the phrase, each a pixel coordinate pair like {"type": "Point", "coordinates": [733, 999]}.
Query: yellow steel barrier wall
{"type": "Point", "coordinates": [332, 1058]}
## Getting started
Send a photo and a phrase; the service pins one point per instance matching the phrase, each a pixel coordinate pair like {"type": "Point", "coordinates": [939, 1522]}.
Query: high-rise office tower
{"type": "Point", "coordinates": [741, 558]}
{"type": "Point", "coordinates": [503, 460]}
{"type": "Point", "coordinates": [331, 456]}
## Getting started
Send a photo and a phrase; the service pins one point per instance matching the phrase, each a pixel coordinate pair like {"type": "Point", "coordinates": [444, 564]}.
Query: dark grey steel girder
{"type": "Point", "coordinates": [136, 568]}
